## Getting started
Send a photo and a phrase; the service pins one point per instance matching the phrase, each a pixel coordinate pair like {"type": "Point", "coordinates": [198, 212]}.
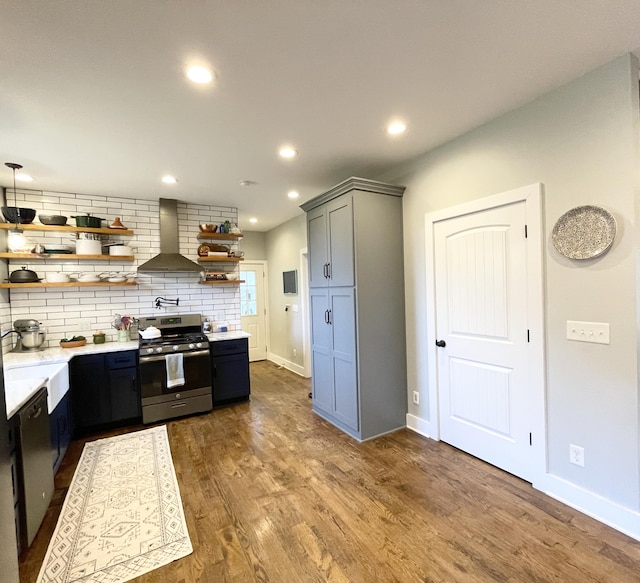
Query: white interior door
{"type": "Point", "coordinates": [253, 310]}
{"type": "Point", "coordinates": [485, 400]}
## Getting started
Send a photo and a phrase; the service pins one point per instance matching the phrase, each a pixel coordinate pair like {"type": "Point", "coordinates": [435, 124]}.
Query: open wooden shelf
{"type": "Point", "coordinates": [219, 259]}
{"type": "Point", "coordinates": [64, 256]}
{"type": "Point", "coordinates": [220, 236]}
{"type": "Point", "coordinates": [223, 282]}
{"type": "Point", "coordinates": [65, 229]}
{"type": "Point", "coordinates": [67, 284]}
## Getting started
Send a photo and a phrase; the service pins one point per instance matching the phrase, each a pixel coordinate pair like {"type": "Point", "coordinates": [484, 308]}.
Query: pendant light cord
{"type": "Point", "coordinates": [14, 166]}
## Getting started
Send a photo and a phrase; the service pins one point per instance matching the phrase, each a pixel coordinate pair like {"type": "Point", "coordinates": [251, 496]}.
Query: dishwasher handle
{"type": "Point", "coordinates": [35, 414]}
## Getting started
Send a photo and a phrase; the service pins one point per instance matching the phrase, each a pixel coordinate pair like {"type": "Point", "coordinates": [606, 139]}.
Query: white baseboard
{"type": "Point", "coordinates": [292, 366]}
{"type": "Point", "coordinates": [618, 517]}
{"type": "Point", "coordinates": [621, 518]}
{"type": "Point", "coordinates": [420, 426]}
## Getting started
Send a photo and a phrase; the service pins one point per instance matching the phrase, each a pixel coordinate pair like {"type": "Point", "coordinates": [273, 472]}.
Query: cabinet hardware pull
{"type": "Point", "coordinates": [178, 405]}
{"type": "Point", "coordinates": [328, 270]}
{"type": "Point", "coordinates": [440, 343]}
{"type": "Point", "coordinates": [329, 312]}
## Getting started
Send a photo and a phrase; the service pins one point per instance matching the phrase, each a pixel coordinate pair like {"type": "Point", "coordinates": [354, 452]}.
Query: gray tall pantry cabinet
{"type": "Point", "coordinates": [356, 285]}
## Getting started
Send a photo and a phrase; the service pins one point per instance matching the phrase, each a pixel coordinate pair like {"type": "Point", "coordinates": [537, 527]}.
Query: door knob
{"type": "Point", "coordinates": [440, 343]}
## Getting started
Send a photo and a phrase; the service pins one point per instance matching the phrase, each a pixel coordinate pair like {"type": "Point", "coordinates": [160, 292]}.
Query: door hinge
{"type": "Point", "coordinates": [526, 234]}
{"type": "Point", "coordinates": [528, 336]}
{"type": "Point", "coordinates": [530, 439]}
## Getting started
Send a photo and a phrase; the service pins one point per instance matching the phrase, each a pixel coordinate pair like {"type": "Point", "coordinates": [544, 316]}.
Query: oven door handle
{"type": "Point", "coordinates": [157, 357]}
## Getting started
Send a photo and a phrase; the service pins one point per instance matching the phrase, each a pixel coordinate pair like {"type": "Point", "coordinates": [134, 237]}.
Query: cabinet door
{"type": "Point", "coordinates": [89, 391]}
{"type": "Point", "coordinates": [317, 247]}
{"type": "Point", "coordinates": [322, 369]}
{"type": "Point", "coordinates": [61, 429]}
{"type": "Point", "coordinates": [343, 332]}
{"type": "Point", "coordinates": [340, 238]}
{"type": "Point", "coordinates": [125, 397]}
{"type": "Point", "coordinates": [230, 377]}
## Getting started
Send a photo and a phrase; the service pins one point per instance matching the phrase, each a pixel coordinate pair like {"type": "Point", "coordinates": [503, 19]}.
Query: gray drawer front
{"type": "Point", "coordinates": [178, 408]}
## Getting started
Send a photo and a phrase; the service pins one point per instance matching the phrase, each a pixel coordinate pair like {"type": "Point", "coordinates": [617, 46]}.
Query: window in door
{"type": "Point", "coordinates": [248, 294]}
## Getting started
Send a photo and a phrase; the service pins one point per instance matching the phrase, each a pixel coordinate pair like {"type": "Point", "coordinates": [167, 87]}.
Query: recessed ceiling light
{"type": "Point", "coordinates": [293, 194]}
{"type": "Point", "coordinates": [288, 152]}
{"type": "Point", "coordinates": [247, 183]}
{"type": "Point", "coordinates": [253, 220]}
{"type": "Point", "coordinates": [199, 74]}
{"type": "Point", "coordinates": [24, 177]}
{"type": "Point", "coordinates": [169, 179]}
{"type": "Point", "coordinates": [397, 127]}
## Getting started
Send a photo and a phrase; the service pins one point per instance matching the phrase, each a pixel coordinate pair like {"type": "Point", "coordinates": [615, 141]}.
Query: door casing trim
{"type": "Point", "coordinates": [264, 263]}
{"type": "Point", "coordinates": [532, 196]}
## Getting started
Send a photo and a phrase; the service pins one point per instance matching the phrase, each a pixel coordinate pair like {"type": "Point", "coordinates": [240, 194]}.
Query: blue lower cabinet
{"type": "Point", "coordinates": [61, 427]}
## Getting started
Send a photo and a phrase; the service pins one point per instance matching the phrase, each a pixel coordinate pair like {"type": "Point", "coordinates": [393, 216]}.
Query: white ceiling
{"type": "Point", "coordinates": [93, 96]}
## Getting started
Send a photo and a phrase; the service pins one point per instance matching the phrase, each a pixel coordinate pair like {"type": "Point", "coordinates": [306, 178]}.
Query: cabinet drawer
{"type": "Point", "coordinates": [117, 360]}
{"type": "Point", "coordinates": [224, 347]}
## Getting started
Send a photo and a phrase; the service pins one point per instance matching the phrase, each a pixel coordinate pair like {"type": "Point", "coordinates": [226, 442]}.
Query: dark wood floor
{"type": "Point", "coordinates": [273, 493]}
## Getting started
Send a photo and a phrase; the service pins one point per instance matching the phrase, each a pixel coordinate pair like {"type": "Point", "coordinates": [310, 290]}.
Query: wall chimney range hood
{"type": "Point", "coordinates": [169, 260]}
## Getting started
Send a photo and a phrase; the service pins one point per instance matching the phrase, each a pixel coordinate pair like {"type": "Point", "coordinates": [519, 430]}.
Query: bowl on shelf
{"type": "Point", "coordinates": [71, 343]}
{"type": "Point", "coordinates": [53, 220]}
{"type": "Point", "coordinates": [120, 250]}
{"type": "Point", "coordinates": [218, 254]}
{"type": "Point", "coordinates": [15, 214]}
{"type": "Point", "coordinates": [57, 248]}
{"type": "Point", "coordinates": [208, 228]}
{"type": "Point", "coordinates": [57, 277]}
{"type": "Point", "coordinates": [232, 276]}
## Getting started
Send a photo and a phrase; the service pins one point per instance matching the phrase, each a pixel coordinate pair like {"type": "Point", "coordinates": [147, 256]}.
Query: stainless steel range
{"type": "Point", "coordinates": [175, 367]}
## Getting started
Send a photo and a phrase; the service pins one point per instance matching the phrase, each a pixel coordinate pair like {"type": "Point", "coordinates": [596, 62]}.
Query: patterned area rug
{"type": "Point", "coordinates": [122, 516]}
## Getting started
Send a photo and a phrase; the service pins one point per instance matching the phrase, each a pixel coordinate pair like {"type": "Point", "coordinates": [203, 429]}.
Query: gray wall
{"type": "Point", "coordinates": [581, 142]}
{"type": "Point", "coordinates": [283, 245]}
{"type": "Point", "coordinates": [253, 245]}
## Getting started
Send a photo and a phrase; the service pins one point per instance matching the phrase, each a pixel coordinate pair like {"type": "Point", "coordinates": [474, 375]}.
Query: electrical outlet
{"type": "Point", "coordinates": [416, 398]}
{"type": "Point", "coordinates": [588, 332]}
{"type": "Point", "coordinates": [576, 455]}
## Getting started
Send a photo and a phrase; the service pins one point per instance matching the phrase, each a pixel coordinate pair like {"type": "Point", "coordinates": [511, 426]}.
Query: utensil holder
{"type": "Point", "coordinates": [123, 336]}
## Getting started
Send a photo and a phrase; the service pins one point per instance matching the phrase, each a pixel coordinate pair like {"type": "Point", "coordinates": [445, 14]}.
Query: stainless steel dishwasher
{"type": "Point", "coordinates": [36, 472]}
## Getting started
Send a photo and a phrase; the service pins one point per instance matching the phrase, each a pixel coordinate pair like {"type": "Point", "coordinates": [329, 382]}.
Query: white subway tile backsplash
{"type": "Point", "coordinates": [83, 310]}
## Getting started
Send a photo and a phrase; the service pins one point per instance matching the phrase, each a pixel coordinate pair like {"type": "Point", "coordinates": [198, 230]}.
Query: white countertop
{"type": "Point", "coordinates": [19, 391]}
{"type": "Point", "coordinates": [58, 354]}
{"type": "Point", "coordinates": [233, 335]}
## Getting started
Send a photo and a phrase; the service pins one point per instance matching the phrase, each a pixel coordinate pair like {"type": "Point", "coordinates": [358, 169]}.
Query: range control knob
{"type": "Point", "coordinates": [192, 345]}
{"type": "Point", "coordinates": [159, 349]}
{"type": "Point", "coordinates": [175, 347]}
{"type": "Point", "coordinates": [149, 350]}
{"type": "Point", "coordinates": [199, 344]}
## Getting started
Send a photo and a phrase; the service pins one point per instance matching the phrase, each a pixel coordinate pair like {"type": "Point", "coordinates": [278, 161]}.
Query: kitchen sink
{"type": "Point", "coordinates": [57, 373]}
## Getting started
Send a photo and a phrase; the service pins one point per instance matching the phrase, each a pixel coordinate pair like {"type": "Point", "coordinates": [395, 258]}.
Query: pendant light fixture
{"type": "Point", "coordinates": [16, 240]}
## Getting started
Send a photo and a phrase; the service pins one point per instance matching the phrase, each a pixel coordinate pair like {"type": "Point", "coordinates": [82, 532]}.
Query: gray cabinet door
{"type": "Point", "coordinates": [343, 331]}
{"type": "Point", "coordinates": [340, 238]}
{"type": "Point", "coordinates": [318, 247]}
{"type": "Point", "coordinates": [322, 373]}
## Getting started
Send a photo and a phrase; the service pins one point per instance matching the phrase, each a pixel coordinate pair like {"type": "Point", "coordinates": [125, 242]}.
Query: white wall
{"type": "Point", "coordinates": [581, 142]}
{"type": "Point", "coordinates": [83, 310]}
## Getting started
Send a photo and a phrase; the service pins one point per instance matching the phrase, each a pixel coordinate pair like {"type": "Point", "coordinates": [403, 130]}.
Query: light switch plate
{"type": "Point", "coordinates": [597, 332]}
